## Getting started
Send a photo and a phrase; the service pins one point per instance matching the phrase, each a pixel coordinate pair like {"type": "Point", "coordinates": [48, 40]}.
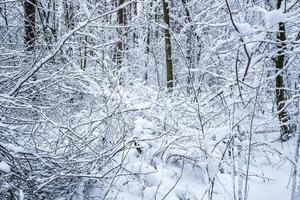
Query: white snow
{"type": "Point", "coordinates": [13, 148]}
{"type": "Point", "coordinates": [245, 28]}
{"type": "Point", "coordinates": [273, 18]}
{"type": "Point", "coordinates": [173, 181]}
{"type": "Point", "coordinates": [4, 167]}
{"type": "Point", "coordinates": [213, 167]}
{"type": "Point", "coordinates": [140, 125]}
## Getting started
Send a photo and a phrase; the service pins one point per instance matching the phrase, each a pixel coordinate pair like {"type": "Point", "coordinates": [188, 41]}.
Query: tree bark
{"type": "Point", "coordinates": [168, 46]}
{"type": "Point", "coordinates": [30, 32]}
{"type": "Point", "coordinates": [84, 58]}
{"type": "Point", "coordinates": [121, 17]}
{"type": "Point", "coordinates": [190, 40]}
{"type": "Point", "coordinates": [280, 91]}
{"type": "Point", "coordinates": [133, 13]}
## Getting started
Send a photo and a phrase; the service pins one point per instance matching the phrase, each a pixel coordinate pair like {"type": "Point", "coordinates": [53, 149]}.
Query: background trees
{"type": "Point", "coordinates": [286, 129]}
{"type": "Point", "coordinates": [29, 15]}
{"type": "Point", "coordinates": [88, 89]}
{"type": "Point", "coordinates": [168, 45]}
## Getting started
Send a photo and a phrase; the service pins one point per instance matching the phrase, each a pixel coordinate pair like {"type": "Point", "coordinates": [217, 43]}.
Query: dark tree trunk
{"type": "Point", "coordinates": [30, 32]}
{"type": "Point", "coordinates": [84, 58]}
{"type": "Point", "coordinates": [283, 116]}
{"type": "Point", "coordinates": [168, 46]}
{"type": "Point", "coordinates": [133, 13]}
{"type": "Point", "coordinates": [147, 52]}
{"type": "Point", "coordinates": [121, 17]}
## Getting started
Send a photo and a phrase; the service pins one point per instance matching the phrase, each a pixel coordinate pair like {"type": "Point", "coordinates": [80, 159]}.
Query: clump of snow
{"type": "Point", "coordinates": [4, 167]}
{"type": "Point", "coordinates": [21, 195]}
{"type": "Point", "coordinates": [245, 28]}
{"type": "Point", "coordinates": [273, 18]}
{"type": "Point", "coordinates": [140, 125]}
{"type": "Point", "coordinates": [213, 167]}
{"type": "Point", "coordinates": [13, 148]}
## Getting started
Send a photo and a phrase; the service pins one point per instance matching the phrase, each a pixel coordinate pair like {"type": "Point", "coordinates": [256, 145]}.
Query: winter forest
{"type": "Point", "coordinates": [149, 99]}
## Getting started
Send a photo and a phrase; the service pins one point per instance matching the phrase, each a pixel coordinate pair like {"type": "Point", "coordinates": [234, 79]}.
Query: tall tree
{"type": "Point", "coordinates": [190, 41]}
{"type": "Point", "coordinates": [121, 18]}
{"type": "Point", "coordinates": [168, 46]}
{"type": "Point", "coordinates": [283, 116]}
{"type": "Point", "coordinates": [68, 13]}
{"type": "Point", "coordinates": [30, 32]}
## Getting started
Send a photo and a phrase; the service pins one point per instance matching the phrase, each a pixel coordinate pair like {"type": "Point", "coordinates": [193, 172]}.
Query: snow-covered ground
{"type": "Point", "coordinates": [181, 174]}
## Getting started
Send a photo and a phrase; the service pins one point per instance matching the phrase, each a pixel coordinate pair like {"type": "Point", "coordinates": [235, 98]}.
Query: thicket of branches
{"type": "Point", "coordinates": [77, 77]}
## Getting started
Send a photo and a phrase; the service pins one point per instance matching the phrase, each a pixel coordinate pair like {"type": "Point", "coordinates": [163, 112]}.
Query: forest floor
{"type": "Point", "coordinates": [269, 175]}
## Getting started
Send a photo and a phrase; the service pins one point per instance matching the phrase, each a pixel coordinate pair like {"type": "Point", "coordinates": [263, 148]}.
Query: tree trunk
{"type": "Point", "coordinates": [84, 58]}
{"type": "Point", "coordinates": [148, 41]}
{"type": "Point", "coordinates": [190, 39]}
{"type": "Point", "coordinates": [133, 13]}
{"type": "Point", "coordinates": [3, 13]}
{"type": "Point", "coordinates": [168, 46]}
{"type": "Point", "coordinates": [147, 53]}
{"type": "Point", "coordinates": [280, 91]}
{"type": "Point", "coordinates": [121, 17]}
{"type": "Point", "coordinates": [68, 14]}
{"type": "Point", "coordinates": [30, 33]}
